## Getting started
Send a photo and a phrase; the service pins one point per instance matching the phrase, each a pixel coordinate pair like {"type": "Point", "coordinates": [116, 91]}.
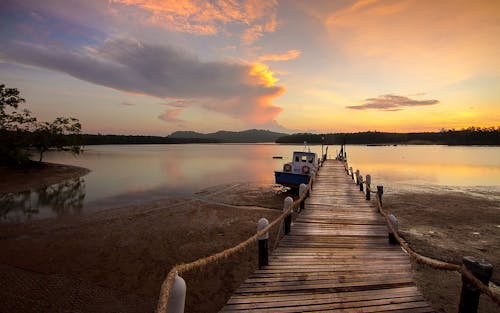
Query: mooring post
{"type": "Point", "coordinates": [368, 183]}
{"type": "Point", "coordinates": [302, 191]}
{"type": "Point", "coordinates": [263, 254]}
{"type": "Point", "coordinates": [469, 297]}
{"type": "Point", "coordinates": [177, 297]}
{"type": "Point", "coordinates": [380, 192]}
{"type": "Point", "coordinates": [360, 182]}
{"type": "Point", "coordinates": [288, 219]}
{"type": "Point", "coordinates": [357, 177]}
{"type": "Point", "coordinates": [352, 173]}
{"type": "Point", "coordinates": [394, 222]}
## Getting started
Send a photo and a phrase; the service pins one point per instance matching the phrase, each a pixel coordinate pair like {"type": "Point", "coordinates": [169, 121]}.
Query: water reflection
{"type": "Point", "coordinates": [131, 174]}
{"type": "Point", "coordinates": [55, 200]}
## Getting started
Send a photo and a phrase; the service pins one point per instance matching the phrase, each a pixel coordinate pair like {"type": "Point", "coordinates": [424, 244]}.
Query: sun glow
{"type": "Point", "coordinates": [263, 75]}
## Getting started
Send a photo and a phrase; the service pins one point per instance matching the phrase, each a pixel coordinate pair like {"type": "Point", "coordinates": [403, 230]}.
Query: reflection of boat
{"type": "Point", "coordinates": [298, 171]}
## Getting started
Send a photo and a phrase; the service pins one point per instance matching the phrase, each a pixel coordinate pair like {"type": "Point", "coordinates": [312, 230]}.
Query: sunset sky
{"type": "Point", "coordinates": [152, 67]}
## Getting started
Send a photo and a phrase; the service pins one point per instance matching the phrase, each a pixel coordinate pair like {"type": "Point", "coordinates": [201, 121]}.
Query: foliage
{"type": "Point", "coordinates": [62, 134]}
{"type": "Point", "coordinates": [14, 127]}
{"type": "Point", "coordinates": [20, 131]}
{"type": "Point", "coordinates": [468, 136]}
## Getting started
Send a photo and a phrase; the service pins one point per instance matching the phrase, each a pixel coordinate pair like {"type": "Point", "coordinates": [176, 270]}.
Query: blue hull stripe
{"type": "Point", "coordinates": [290, 179]}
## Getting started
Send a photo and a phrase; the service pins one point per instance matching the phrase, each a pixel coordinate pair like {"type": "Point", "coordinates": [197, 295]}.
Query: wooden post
{"type": "Point", "coordinates": [357, 177]}
{"type": "Point", "coordinates": [288, 219]}
{"type": "Point", "coordinates": [469, 297]}
{"type": "Point", "coordinates": [368, 183]}
{"type": "Point", "coordinates": [352, 173]}
{"type": "Point", "coordinates": [177, 297]}
{"type": "Point", "coordinates": [394, 222]}
{"type": "Point", "coordinates": [302, 190]}
{"type": "Point", "coordinates": [360, 182]}
{"type": "Point", "coordinates": [380, 192]}
{"type": "Point", "coordinates": [263, 254]}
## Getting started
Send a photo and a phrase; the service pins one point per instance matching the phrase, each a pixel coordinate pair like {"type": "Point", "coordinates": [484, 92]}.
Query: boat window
{"type": "Point", "coordinates": [297, 158]}
{"type": "Point", "coordinates": [311, 159]}
{"type": "Point", "coordinates": [304, 158]}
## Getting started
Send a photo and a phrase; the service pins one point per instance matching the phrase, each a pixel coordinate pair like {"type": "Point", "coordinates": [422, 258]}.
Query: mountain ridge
{"type": "Point", "coordinates": [244, 136]}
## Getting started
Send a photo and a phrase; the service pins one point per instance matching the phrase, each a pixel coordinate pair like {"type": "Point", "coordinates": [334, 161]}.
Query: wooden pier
{"type": "Point", "coordinates": [337, 258]}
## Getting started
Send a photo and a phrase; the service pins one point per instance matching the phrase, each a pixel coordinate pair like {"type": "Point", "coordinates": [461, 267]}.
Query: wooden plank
{"type": "Point", "coordinates": [337, 259]}
{"type": "Point", "coordinates": [303, 297]}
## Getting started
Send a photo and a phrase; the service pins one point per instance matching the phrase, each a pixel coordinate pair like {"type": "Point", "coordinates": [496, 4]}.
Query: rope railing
{"type": "Point", "coordinates": [217, 257]}
{"type": "Point", "coordinates": [421, 259]}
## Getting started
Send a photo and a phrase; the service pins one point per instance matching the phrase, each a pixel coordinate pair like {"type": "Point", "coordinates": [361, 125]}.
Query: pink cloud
{"type": "Point", "coordinates": [170, 115]}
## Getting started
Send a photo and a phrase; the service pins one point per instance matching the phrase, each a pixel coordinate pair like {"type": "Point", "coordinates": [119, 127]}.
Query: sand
{"type": "Point", "coordinates": [115, 260]}
{"type": "Point", "coordinates": [447, 227]}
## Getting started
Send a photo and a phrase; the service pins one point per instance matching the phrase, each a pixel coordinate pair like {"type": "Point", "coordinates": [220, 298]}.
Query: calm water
{"type": "Point", "coordinates": [128, 174]}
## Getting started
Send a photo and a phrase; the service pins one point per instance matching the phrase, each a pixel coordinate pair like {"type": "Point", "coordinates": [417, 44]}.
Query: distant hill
{"type": "Point", "coordinates": [246, 136]}
{"type": "Point", "coordinates": [469, 136]}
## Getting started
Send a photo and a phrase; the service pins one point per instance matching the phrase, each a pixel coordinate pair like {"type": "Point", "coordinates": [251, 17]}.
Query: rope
{"type": "Point", "coordinates": [214, 258]}
{"type": "Point", "coordinates": [437, 264]}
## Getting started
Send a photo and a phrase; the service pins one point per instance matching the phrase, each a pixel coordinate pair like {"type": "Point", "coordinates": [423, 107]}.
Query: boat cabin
{"type": "Point", "coordinates": [303, 162]}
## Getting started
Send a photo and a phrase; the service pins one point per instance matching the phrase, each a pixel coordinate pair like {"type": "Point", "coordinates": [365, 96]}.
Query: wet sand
{"type": "Point", "coordinates": [115, 260]}
{"type": "Point", "coordinates": [447, 227]}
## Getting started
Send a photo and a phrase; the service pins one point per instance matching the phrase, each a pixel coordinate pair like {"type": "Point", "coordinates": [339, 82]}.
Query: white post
{"type": "Point", "coordinates": [288, 220]}
{"type": "Point", "coordinates": [302, 190]}
{"type": "Point", "coordinates": [177, 297]}
{"type": "Point", "coordinates": [263, 254]}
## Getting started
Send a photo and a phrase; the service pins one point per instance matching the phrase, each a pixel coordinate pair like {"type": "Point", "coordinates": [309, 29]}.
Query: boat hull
{"type": "Point", "coordinates": [291, 179]}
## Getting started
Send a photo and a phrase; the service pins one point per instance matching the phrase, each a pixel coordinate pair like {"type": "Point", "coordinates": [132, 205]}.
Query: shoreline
{"type": "Point", "coordinates": [30, 178]}
{"type": "Point", "coordinates": [116, 259]}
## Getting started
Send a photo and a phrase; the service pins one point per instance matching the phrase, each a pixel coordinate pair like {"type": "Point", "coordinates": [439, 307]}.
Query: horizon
{"type": "Point", "coordinates": [288, 134]}
{"type": "Point", "coordinates": [129, 67]}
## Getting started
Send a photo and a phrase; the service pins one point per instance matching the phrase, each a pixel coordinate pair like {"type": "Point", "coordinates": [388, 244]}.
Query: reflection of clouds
{"type": "Point", "coordinates": [58, 199]}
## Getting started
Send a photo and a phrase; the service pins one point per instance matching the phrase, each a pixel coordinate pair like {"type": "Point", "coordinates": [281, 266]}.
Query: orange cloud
{"type": "Point", "coordinates": [204, 17]}
{"type": "Point", "coordinates": [262, 75]}
{"type": "Point", "coordinates": [289, 55]}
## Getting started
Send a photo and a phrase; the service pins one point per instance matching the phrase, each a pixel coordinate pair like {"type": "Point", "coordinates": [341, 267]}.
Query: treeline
{"type": "Point", "coordinates": [469, 136]}
{"type": "Point", "coordinates": [88, 139]}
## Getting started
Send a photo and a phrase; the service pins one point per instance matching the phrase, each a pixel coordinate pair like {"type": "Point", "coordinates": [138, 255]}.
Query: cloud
{"type": "Point", "coordinates": [202, 17]}
{"type": "Point", "coordinates": [240, 90]}
{"type": "Point", "coordinates": [182, 103]}
{"type": "Point", "coordinates": [391, 103]}
{"type": "Point", "coordinates": [171, 115]}
{"type": "Point", "coordinates": [289, 55]}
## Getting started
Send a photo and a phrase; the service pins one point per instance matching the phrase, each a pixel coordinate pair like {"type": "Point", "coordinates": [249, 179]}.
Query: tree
{"type": "Point", "coordinates": [62, 134]}
{"type": "Point", "coordinates": [20, 131]}
{"type": "Point", "coordinates": [14, 127]}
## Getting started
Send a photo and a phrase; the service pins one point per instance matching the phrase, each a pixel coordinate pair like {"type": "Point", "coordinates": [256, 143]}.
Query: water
{"type": "Point", "coordinates": [128, 174]}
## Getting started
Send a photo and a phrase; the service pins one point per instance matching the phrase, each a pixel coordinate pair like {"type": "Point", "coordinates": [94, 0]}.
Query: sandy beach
{"type": "Point", "coordinates": [115, 260]}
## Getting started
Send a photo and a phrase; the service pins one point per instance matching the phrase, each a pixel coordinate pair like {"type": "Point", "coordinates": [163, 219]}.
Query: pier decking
{"type": "Point", "coordinates": [336, 258]}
